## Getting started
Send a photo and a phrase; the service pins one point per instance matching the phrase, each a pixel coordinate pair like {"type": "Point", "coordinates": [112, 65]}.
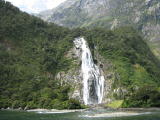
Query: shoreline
{"type": "Point", "coordinates": [139, 109]}
{"type": "Point", "coordinates": [121, 112]}
{"type": "Point", "coordinates": [54, 110]}
{"type": "Point", "coordinates": [80, 110]}
{"type": "Point", "coordinates": [39, 110]}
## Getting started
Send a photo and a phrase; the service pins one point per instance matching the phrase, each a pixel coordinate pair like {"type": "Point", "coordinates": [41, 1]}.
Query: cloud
{"type": "Point", "coordinates": [35, 6]}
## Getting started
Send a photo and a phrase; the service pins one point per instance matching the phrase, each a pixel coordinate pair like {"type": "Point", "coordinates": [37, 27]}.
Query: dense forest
{"type": "Point", "coordinates": [32, 52]}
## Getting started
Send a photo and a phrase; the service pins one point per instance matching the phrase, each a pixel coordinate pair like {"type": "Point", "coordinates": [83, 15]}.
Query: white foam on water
{"type": "Point", "coordinates": [116, 114]}
{"type": "Point", "coordinates": [52, 112]}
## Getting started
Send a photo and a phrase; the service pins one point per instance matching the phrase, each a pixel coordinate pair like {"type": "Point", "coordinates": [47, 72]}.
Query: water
{"type": "Point", "coordinates": [20, 115]}
{"type": "Point", "coordinates": [93, 80]}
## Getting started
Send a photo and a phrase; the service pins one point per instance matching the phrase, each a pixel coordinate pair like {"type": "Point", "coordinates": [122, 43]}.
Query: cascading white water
{"type": "Point", "coordinates": [93, 80]}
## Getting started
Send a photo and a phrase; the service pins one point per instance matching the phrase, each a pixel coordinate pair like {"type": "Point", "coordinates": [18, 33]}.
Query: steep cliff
{"type": "Point", "coordinates": [141, 14]}
{"type": "Point", "coordinates": [118, 55]}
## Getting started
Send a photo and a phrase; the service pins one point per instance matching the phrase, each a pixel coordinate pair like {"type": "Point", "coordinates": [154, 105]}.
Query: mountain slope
{"type": "Point", "coordinates": [131, 59]}
{"type": "Point", "coordinates": [33, 52]}
{"type": "Point", "coordinates": [141, 14]}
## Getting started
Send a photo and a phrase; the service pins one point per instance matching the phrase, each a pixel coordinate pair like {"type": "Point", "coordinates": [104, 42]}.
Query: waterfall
{"type": "Point", "coordinates": [93, 80]}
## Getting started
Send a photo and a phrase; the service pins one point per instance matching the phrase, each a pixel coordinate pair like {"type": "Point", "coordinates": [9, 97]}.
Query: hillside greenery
{"type": "Point", "coordinates": [32, 52]}
{"type": "Point", "coordinates": [134, 63]}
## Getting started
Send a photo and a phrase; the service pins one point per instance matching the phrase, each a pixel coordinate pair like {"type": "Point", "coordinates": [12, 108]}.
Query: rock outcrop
{"type": "Point", "coordinates": [74, 77]}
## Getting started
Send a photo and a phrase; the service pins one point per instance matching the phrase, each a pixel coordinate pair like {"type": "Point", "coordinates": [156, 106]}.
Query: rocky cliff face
{"type": "Point", "coordinates": [72, 13]}
{"type": "Point", "coordinates": [141, 14]}
{"type": "Point", "coordinates": [74, 77]}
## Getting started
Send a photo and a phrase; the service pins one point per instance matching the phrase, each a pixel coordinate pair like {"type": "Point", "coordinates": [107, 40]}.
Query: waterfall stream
{"type": "Point", "coordinates": [93, 80]}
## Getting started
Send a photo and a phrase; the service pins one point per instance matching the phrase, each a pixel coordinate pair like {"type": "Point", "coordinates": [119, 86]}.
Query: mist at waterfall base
{"type": "Point", "coordinates": [93, 80]}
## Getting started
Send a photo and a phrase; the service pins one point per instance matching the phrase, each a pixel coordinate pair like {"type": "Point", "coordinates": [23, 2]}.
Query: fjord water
{"type": "Point", "coordinates": [93, 80]}
{"type": "Point", "coordinates": [20, 115]}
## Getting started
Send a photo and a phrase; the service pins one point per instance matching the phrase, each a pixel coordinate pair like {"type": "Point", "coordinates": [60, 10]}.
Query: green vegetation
{"type": "Point", "coordinates": [32, 52]}
{"type": "Point", "coordinates": [133, 61]}
{"type": "Point", "coordinates": [146, 96]}
{"type": "Point", "coordinates": [140, 14]}
{"type": "Point", "coordinates": [115, 104]}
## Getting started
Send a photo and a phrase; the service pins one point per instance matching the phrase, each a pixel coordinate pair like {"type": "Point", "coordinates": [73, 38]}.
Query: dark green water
{"type": "Point", "coordinates": [20, 115]}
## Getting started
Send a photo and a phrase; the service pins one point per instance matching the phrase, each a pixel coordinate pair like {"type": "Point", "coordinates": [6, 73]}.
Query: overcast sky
{"type": "Point", "coordinates": [35, 6]}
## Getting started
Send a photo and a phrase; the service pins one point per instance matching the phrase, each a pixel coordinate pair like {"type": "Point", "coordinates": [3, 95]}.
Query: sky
{"type": "Point", "coordinates": [35, 6]}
